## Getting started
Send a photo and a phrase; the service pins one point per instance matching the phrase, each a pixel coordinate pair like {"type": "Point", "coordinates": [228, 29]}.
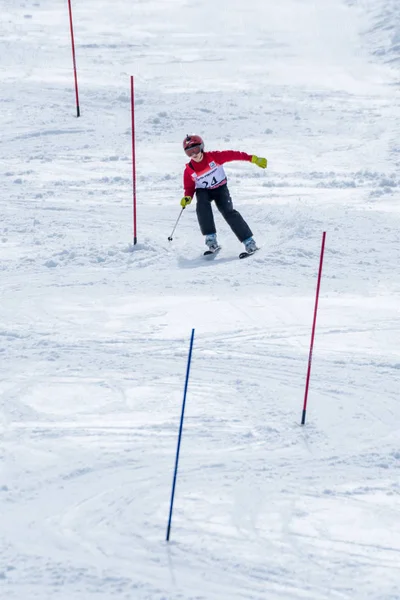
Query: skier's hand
{"type": "Point", "coordinates": [186, 200]}
{"type": "Point", "coordinates": [260, 162]}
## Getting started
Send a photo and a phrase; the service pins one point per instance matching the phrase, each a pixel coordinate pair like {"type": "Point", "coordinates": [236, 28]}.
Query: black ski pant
{"type": "Point", "coordinates": [223, 200]}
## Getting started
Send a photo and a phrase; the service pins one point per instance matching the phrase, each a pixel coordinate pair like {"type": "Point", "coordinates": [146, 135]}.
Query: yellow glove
{"type": "Point", "coordinates": [185, 201]}
{"type": "Point", "coordinates": [260, 162]}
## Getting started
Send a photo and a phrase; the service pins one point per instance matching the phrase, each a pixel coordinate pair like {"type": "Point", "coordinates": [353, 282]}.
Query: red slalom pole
{"type": "Point", "coordinates": [133, 160]}
{"type": "Point", "coordinates": [78, 112]}
{"type": "Point", "coordinates": [303, 418]}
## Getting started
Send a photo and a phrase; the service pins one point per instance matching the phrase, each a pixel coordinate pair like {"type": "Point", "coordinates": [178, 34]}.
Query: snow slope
{"type": "Point", "coordinates": [94, 333]}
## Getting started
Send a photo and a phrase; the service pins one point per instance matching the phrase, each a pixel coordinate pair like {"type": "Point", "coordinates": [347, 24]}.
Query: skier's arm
{"type": "Point", "coordinates": [230, 155]}
{"type": "Point", "coordinates": [225, 156]}
{"type": "Point", "coordinates": [188, 183]}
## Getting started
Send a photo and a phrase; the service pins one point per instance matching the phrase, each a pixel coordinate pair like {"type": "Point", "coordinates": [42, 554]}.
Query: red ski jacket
{"type": "Point", "coordinates": [209, 172]}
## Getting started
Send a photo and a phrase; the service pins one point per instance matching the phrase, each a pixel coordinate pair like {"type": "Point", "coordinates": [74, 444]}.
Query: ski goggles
{"type": "Point", "coordinates": [193, 150]}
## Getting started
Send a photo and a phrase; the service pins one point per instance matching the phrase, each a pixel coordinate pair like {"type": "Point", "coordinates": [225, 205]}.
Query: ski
{"type": "Point", "coordinates": [246, 254]}
{"type": "Point", "coordinates": [212, 252]}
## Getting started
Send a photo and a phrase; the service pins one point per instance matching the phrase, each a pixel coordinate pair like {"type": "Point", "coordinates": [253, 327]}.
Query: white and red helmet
{"type": "Point", "coordinates": [193, 144]}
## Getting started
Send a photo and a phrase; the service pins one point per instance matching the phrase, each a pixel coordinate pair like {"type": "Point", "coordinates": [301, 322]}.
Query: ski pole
{"type": "Point", "coordinates": [170, 238]}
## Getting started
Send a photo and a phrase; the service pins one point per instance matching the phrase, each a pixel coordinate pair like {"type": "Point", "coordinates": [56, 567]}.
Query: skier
{"type": "Point", "coordinates": [205, 175]}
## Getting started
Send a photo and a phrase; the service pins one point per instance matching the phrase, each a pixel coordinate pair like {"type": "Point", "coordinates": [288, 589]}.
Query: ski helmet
{"type": "Point", "coordinates": [192, 141]}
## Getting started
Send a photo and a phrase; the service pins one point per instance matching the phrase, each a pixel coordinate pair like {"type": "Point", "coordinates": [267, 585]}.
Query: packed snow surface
{"type": "Point", "coordinates": [95, 330]}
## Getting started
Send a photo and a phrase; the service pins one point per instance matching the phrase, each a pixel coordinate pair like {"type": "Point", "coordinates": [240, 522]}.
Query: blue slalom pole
{"type": "Point", "coordinates": [180, 436]}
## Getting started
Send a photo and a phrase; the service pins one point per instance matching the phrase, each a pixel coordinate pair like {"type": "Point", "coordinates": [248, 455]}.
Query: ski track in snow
{"type": "Point", "coordinates": [94, 331]}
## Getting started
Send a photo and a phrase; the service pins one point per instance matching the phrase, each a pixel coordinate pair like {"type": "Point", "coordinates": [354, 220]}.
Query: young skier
{"type": "Point", "coordinates": [205, 175]}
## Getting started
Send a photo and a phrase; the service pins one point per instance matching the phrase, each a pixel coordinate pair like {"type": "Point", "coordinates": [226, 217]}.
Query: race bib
{"type": "Point", "coordinates": [211, 177]}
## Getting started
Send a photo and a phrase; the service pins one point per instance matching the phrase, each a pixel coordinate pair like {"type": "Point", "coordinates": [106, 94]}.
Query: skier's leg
{"type": "Point", "coordinates": [234, 219]}
{"type": "Point", "coordinates": [204, 212]}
